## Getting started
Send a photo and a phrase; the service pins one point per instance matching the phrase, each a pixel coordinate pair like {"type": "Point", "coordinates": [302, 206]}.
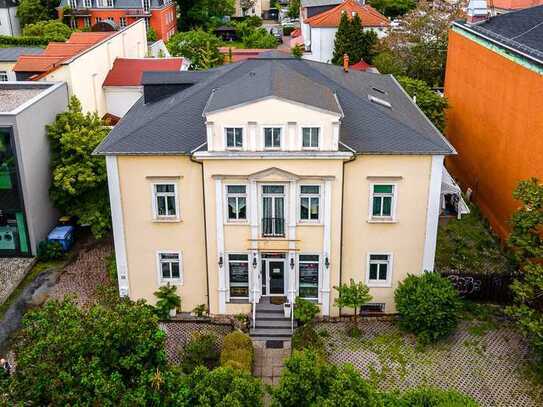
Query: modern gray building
{"type": "Point", "coordinates": [26, 213]}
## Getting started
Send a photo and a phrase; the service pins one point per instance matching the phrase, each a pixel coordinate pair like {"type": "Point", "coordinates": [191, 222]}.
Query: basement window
{"type": "Point", "coordinates": [372, 308]}
{"type": "Point", "coordinates": [379, 101]}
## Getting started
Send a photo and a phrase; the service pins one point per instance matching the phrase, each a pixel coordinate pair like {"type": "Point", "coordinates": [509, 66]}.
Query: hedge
{"type": "Point", "coordinates": [23, 41]}
{"type": "Point", "coordinates": [238, 351]}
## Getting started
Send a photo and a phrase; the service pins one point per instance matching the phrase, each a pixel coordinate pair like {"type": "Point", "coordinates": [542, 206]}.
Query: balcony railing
{"type": "Point", "coordinates": [273, 227]}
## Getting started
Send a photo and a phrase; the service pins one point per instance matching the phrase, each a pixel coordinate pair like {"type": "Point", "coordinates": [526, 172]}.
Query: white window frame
{"type": "Point", "coordinates": [4, 76]}
{"type": "Point", "coordinates": [243, 137]}
{"type": "Point", "coordinates": [383, 219]}
{"type": "Point", "coordinates": [318, 299]}
{"type": "Point", "coordinates": [390, 270]}
{"type": "Point", "coordinates": [88, 3]}
{"type": "Point", "coordinates": [165, 218]}
{"type": "Point", "coordinates": [73, 4]}
{"type": "Point", "coordinates": [309, 126]}
{"type": "Point", "coordinates": [122, 22]}
{"type": "Point", "coordinates": [281, 136]}
{"type": "Point", "coordinates": [237, 195]}
{"type": "Point", "coordinates": [173, 281]}
{"type": "Point", "coordinates": [227, 261]}
{"type": "Point", "coordinates": [86, 22]}
{"type": "Point", "coordinates": [299, 200]}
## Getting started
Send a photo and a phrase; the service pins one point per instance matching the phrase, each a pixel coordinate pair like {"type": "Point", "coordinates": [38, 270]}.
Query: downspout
{"type": "Point", "coordinates": [205, 225]}
{"type": "Point", "coordinates": [353, 157]}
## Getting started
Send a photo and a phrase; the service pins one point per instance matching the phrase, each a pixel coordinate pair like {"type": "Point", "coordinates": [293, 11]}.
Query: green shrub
{"type": "Point", "coordinates": [111, 267]}
{"type": "Point", "coordinates": [428, 306]}
{"type": "Point", "coordinates": [260, 38]}
{"type": "Point", "coordinates": [253, 21]}
{"type": "Point", "coordinates": [297, 51]}
{"type": "Point", "coordinates": [200, 310]}
{"type": "Point", "coordinates": [305, 311]}
{"type": "Point", "coordinates": [151, 35]}
{"type": "Point", "coordinates": [287, 30]}
{"type": "Point", "coordinates": [52, 30]}
{"type": "Point", "coordinates": [23, 41]}
{"type": "Point", "coordinates": [238, 351]}
{"type": "Point", "coordinates": [201, 350]}
{"type": "Point", "coordinates": [50, 251]}
{"type": "Point", "coordinates": [427, 396]}
{"type": "Point", "coordinates": [305, 337]}
{"type": "Point", "coordinates": [167, 300]}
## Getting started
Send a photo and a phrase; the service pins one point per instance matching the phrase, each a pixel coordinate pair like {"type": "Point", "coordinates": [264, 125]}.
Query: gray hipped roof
{"type": "Point", "coordinates": [12, 53]}
{"type": "Point", "coordinates": [176, 124]}
{"type": "Point", "coordinates": [272, 80]}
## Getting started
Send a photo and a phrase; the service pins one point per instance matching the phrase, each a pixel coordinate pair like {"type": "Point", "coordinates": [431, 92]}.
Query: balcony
{"type": "Point", "coordinates": [273, 227]}
{"type": "Point", "coordinates": [138, 12]}
{"type": "Point", "coordinates": [77, 12]}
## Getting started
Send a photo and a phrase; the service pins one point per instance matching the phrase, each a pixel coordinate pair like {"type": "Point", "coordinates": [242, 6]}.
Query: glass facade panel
{"type": "Point", "coordinates": [238, 269]}
{"type": "Point", "coordinates": [309, 276]}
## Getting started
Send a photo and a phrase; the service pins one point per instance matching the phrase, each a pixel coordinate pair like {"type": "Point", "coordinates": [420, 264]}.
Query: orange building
{"type": "Point", "coordinates": [494, 83]}
{"type": "Point", "coordinates": [158, 14]}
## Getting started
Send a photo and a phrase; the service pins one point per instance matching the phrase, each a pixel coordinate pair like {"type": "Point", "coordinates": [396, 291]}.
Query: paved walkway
{"type": "Point", "coordinates": [12, 271]}
{"type": "Point", "coordinates": [269, 363]}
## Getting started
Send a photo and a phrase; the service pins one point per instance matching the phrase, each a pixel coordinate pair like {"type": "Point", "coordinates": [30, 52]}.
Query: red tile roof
{"type": "Point", "coordinates": [296, 33]}
{"type": "Point", "coordinates": [128, 71]}
{"type": "Point", "coordinates": [57, 52]}
{"type": "Point", "coordinates": [514, 4]}
{"type": "Point", "coordinates": [331, 18]}
{"type": "Point", "coordinates": [361, 66]}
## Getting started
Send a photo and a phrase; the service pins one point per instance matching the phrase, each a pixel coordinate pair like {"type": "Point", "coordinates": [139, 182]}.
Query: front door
{"type": "Point", "coordinates": [277, 277]}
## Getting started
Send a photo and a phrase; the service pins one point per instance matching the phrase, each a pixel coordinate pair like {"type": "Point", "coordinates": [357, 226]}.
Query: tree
{"type": "Point", "coordinates": [99, 356]}
{"type": "Point", "coordinates": [204, 14]}
{"type": "Point", "coordinates": [246, 5]}
{"type": "Point", "coordinates": [79, 179]}
{"type": "Point", "coordinates": [351, 39]}
{"type": "Point", "coordinates": [260, 38]}
{"type": "Point", "coordinates": [387, 63]}
{"type": "Point", "coordinates": [31, 11]}
{"type": "Point", "coordinates": [432, 104]}
{"type": "Point", "coordinates": [53, 30]}
{"type": "Point", "coordinates": [297, 51]}
{"type": "Point", "coordinates": [353, 295]}
{"type": "Point", "coordinates": [527, 243]}
{"type": "Point", "coordinates": [200, 47]}
{"type": "Point", "coordinates": [421, 45]}
{"type": "Point", "coordinates": [294, 9]}
{"type": "Point", "coordinates": [393, 8]}
{"type": "Point", "coordinates": [151, 35]}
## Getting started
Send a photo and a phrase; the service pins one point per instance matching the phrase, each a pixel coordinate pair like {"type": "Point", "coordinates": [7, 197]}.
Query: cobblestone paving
{"type": "Point", "coordinates": [12, 271]}
{"type": "Point", "coordinates": [179, 333]}
{"type": "Point", "coordinates": [488, 366]}
{"type": "Point", "coordinates": [269, 363]}
{"type": "Point", "coordinates": [83, 276]}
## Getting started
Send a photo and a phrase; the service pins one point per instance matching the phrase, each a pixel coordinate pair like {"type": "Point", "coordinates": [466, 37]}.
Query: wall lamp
{"type": "Point", "coordinates": [292, 263]}
{"type": "Point", "coordinates": [220, 262]}
{"type": "Point", "coordinates": [254, 262]}
{"type": "Point", "coordinates": [326, 262]}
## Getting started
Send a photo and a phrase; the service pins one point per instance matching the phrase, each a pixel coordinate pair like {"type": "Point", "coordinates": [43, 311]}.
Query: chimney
{"type": "Point", "coordinates": [477, 11]}
{"type": "Point", "coordinates": [346, 62]}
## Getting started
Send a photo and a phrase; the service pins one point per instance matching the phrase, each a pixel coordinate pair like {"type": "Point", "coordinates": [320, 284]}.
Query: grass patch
{"type": "Point", "coordinates": [30, 276]}
{"type": "Point", "coordinates": [468, 244]}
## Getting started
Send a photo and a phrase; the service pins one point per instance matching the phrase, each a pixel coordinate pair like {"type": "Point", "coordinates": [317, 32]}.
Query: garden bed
{"type": "Point", "coordinates": [485, 360]}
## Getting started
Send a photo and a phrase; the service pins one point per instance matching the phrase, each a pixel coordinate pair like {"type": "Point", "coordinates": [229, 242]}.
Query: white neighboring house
{"type": "Point", "coordinates": [123, 86]}
{"type": "Point", "coordinates": [8, 59]}
{"type": "Point", "coordinates": [9, 23]}
{"type": "Point", "coordinates": [256, 9]}
{"type": "Point", "coordinates": [319, 30]}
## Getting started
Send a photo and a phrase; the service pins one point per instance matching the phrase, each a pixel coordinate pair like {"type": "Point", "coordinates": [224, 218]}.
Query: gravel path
{"type": "Point", "coordinates": [12, 271]}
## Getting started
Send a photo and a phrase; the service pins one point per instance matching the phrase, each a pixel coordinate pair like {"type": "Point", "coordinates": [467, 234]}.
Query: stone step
{"type": "Point", "coordinates": [270, 332]}
{"type": "Point", "coordinates": [269, 307]}
{"type": "Point", "coordinates": [274, 323]}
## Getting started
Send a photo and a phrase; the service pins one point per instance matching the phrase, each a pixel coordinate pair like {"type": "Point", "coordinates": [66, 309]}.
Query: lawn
{"type": "Point", "coordinates": [485, 358]}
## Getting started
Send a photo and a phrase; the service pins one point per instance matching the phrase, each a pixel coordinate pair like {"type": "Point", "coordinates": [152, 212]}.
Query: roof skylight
{"type": "Point", "coordinates": [379, 101]}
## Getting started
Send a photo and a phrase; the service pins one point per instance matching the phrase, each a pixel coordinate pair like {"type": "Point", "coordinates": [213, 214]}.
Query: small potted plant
{"type": "Point", "coordinates": [168, 301]}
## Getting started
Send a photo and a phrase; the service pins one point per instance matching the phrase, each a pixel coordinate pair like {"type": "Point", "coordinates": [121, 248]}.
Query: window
{"type": "Point", "coordinates": [272, 137]}
{"type": "Point", "coordinates": [382, 201]}
{"type": "Point", "coordinates": [73, 4]}
{"type": "Point", "coordinates": [237, 202]}
{"type": "Point", "coordinates": [238, 272]}
{"type": "Point", "coordinates": [122, 22]}
{"type": "Point", "coordinates": [379, 270]}
{"type": "Point", "coordinates": [88, 3]}
{"type": "Point", "coordinates": [310, 137]}
{"type": "Point", "coordinates": [234, 137]}
{"type": "Point", "coordinates": [165, 200]}
{"type": "Point", "coordinates": [3, 76]}
{"type": "Point", "coordinates": [169, 265]}
{"type": "Point", "coordinates": [111, 19]}
{"type": "Point", "coordinates": [308, 265]}
{"type": "Point", "coordinates": [98, 19]}
{"type": "Point", "coordinates": [73, 23]}
{"type": "Point", "coordinates": [309, 202]}
{"type": "Point", "coordinates": [109, 3]}
{"type": "Point", "coordinates": [86, 22]}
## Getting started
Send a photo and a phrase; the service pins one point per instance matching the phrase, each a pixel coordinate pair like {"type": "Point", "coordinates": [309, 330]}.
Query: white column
{"type": "Point", "coordinates": [220, 245]}
{"type": "Point", "coordinates": [117, 224]}
{"type": "Point", "coordinates": [292, 141]}
{"type": "Point", "coordinates": [251, 142]}
{"type": "Point", "coordinates": [253, 221]}
{"type": "Point", "coordinates": [432, 213]}
{"type": "Point", "coordinates": [291, 286]}
{"type": "Point", "coordinates": [210, 132]}
{"type": "Point", "coordinates": [327, 243]}
{"type": "Point", "coordinates": [335, 136]}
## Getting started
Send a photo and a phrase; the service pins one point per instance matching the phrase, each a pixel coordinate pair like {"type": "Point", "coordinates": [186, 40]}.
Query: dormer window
{"type": "Point", "coordinates": [234, 137]}
{"type": "Point", "coordinates": [272, 137]}
{"type": "Point", "coordinates": [310, 137]}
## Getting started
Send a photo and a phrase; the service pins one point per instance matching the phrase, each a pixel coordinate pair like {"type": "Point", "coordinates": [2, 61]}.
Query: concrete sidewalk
{"type": "Point", "coordinates": [269, 362]}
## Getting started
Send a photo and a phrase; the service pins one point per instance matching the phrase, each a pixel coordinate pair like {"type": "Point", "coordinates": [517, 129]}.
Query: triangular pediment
{"type": "Point", "coordinates": [273, 174]}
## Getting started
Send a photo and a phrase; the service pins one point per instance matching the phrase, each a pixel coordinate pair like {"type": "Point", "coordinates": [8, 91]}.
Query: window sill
{"type": "Point", "coordinates": [238, 301]}
{"type": "Point", "coordinates": [308, 223]}
{"type": "Point", "coordinates": [171, 282]}
{"type": "Point", "coordinates": [382, 221]}
{"type": "Point", "coordinates": [236, 223]}
{"type": "Point", "coordinates": [167, 220]}
{"type": "Point", "coordinates": [379, 285]}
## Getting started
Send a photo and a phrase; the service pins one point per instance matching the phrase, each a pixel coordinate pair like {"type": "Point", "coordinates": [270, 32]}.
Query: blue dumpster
{"type": "Point", "coordinates": [63, 235]}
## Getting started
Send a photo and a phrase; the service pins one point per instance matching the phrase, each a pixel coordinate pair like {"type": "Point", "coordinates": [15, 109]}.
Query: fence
{"type": "Point", "coordinates": [494, 287]}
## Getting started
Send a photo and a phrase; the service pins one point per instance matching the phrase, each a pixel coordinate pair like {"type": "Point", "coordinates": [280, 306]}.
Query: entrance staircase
{"type": "Point", "coordinates": [271, 324]}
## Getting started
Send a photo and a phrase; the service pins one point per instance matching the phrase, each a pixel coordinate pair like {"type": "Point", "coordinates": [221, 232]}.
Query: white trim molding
{"type": "Point", "coordinates": [115, 200]}
{"type": "Point", "coordinates": [432, 213]}
{"type": "Point", "coordinates": [327, 247]}
{"type": "Point", "coordinates": [220, 245]}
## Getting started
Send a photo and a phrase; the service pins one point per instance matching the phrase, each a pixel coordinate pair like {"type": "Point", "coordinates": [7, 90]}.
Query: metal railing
{"type": "Point", "coordinates": [273, 227]}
